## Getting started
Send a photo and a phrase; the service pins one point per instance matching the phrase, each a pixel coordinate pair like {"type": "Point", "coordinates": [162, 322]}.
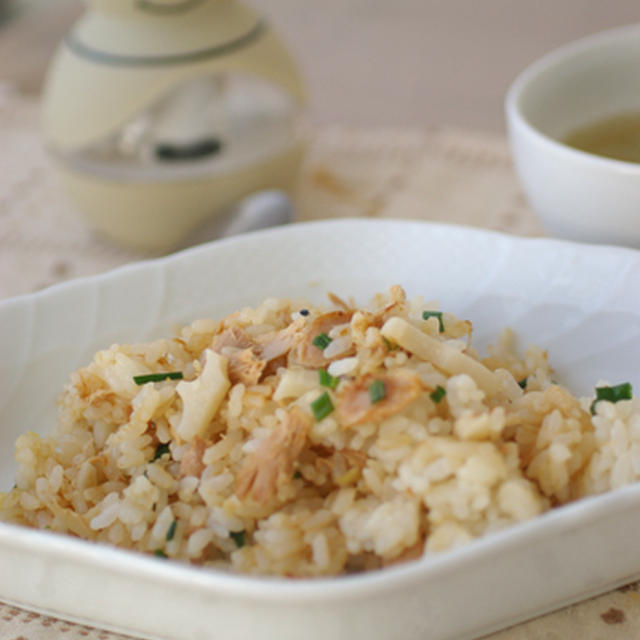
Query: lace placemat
{"type": "Point", "coordinates": [434, 174]}
{"type": "Point", "coordinates": [441, 174]}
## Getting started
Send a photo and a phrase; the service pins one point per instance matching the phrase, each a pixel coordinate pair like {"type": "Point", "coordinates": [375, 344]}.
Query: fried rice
{"type": "Point", "coordinates": [301, 441]}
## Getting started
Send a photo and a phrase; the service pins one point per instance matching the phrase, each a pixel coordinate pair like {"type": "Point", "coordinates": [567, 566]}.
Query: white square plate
{"type": "Point", "coordinates": [581, 302]}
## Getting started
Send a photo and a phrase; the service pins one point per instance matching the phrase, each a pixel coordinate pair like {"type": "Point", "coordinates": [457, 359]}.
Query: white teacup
{"type": "Point", "coordinates": [578, 195]}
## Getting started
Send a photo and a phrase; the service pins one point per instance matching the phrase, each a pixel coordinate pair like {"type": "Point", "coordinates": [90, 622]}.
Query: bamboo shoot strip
{"type": "Point", "coordinates": [438, 353]}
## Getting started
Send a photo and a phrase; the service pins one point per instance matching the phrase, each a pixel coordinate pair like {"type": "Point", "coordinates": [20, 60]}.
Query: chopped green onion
{"type": "Point", "coordinates": [523, 383]}
{"type": "Point", "coordinates": [158, 377]}
{"type": "Point", "coordinates": [238, 538]}
{"type": "Point", "coordinates": [434, 314]}
{"type": "Point", "coordinates": [438, 394]}
{"type": "Point", "coordinates": [159, 553]}
{"type": "Point", "coordinates": [377, 391]}
{"type": "Point", "coordinates": [161, 449]}
{"type": "Point", "coordinates": [322, 406]}
{"type": "Point", "coordinates": [172, 530]}
{"type": "Point", "coordinates": [322, 341]}
{"type": "Point", "coordinates": [612, 394]}
{"type": "Point", "coordinates": [297, 475]}
{"type": "Point", "coordinates": [327, 380]}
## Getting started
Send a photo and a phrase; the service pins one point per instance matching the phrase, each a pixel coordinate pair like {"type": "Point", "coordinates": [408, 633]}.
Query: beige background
{"type": "Point", "coordinates": [392, 62]}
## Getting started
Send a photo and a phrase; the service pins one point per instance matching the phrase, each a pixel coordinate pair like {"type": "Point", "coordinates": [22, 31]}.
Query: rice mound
{"type": "Point", "coordinates": [300, 441]}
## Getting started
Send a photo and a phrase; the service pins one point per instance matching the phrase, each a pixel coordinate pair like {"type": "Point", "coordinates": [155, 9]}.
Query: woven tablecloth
{"type": "Point", "coordinates": [432, 174]}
